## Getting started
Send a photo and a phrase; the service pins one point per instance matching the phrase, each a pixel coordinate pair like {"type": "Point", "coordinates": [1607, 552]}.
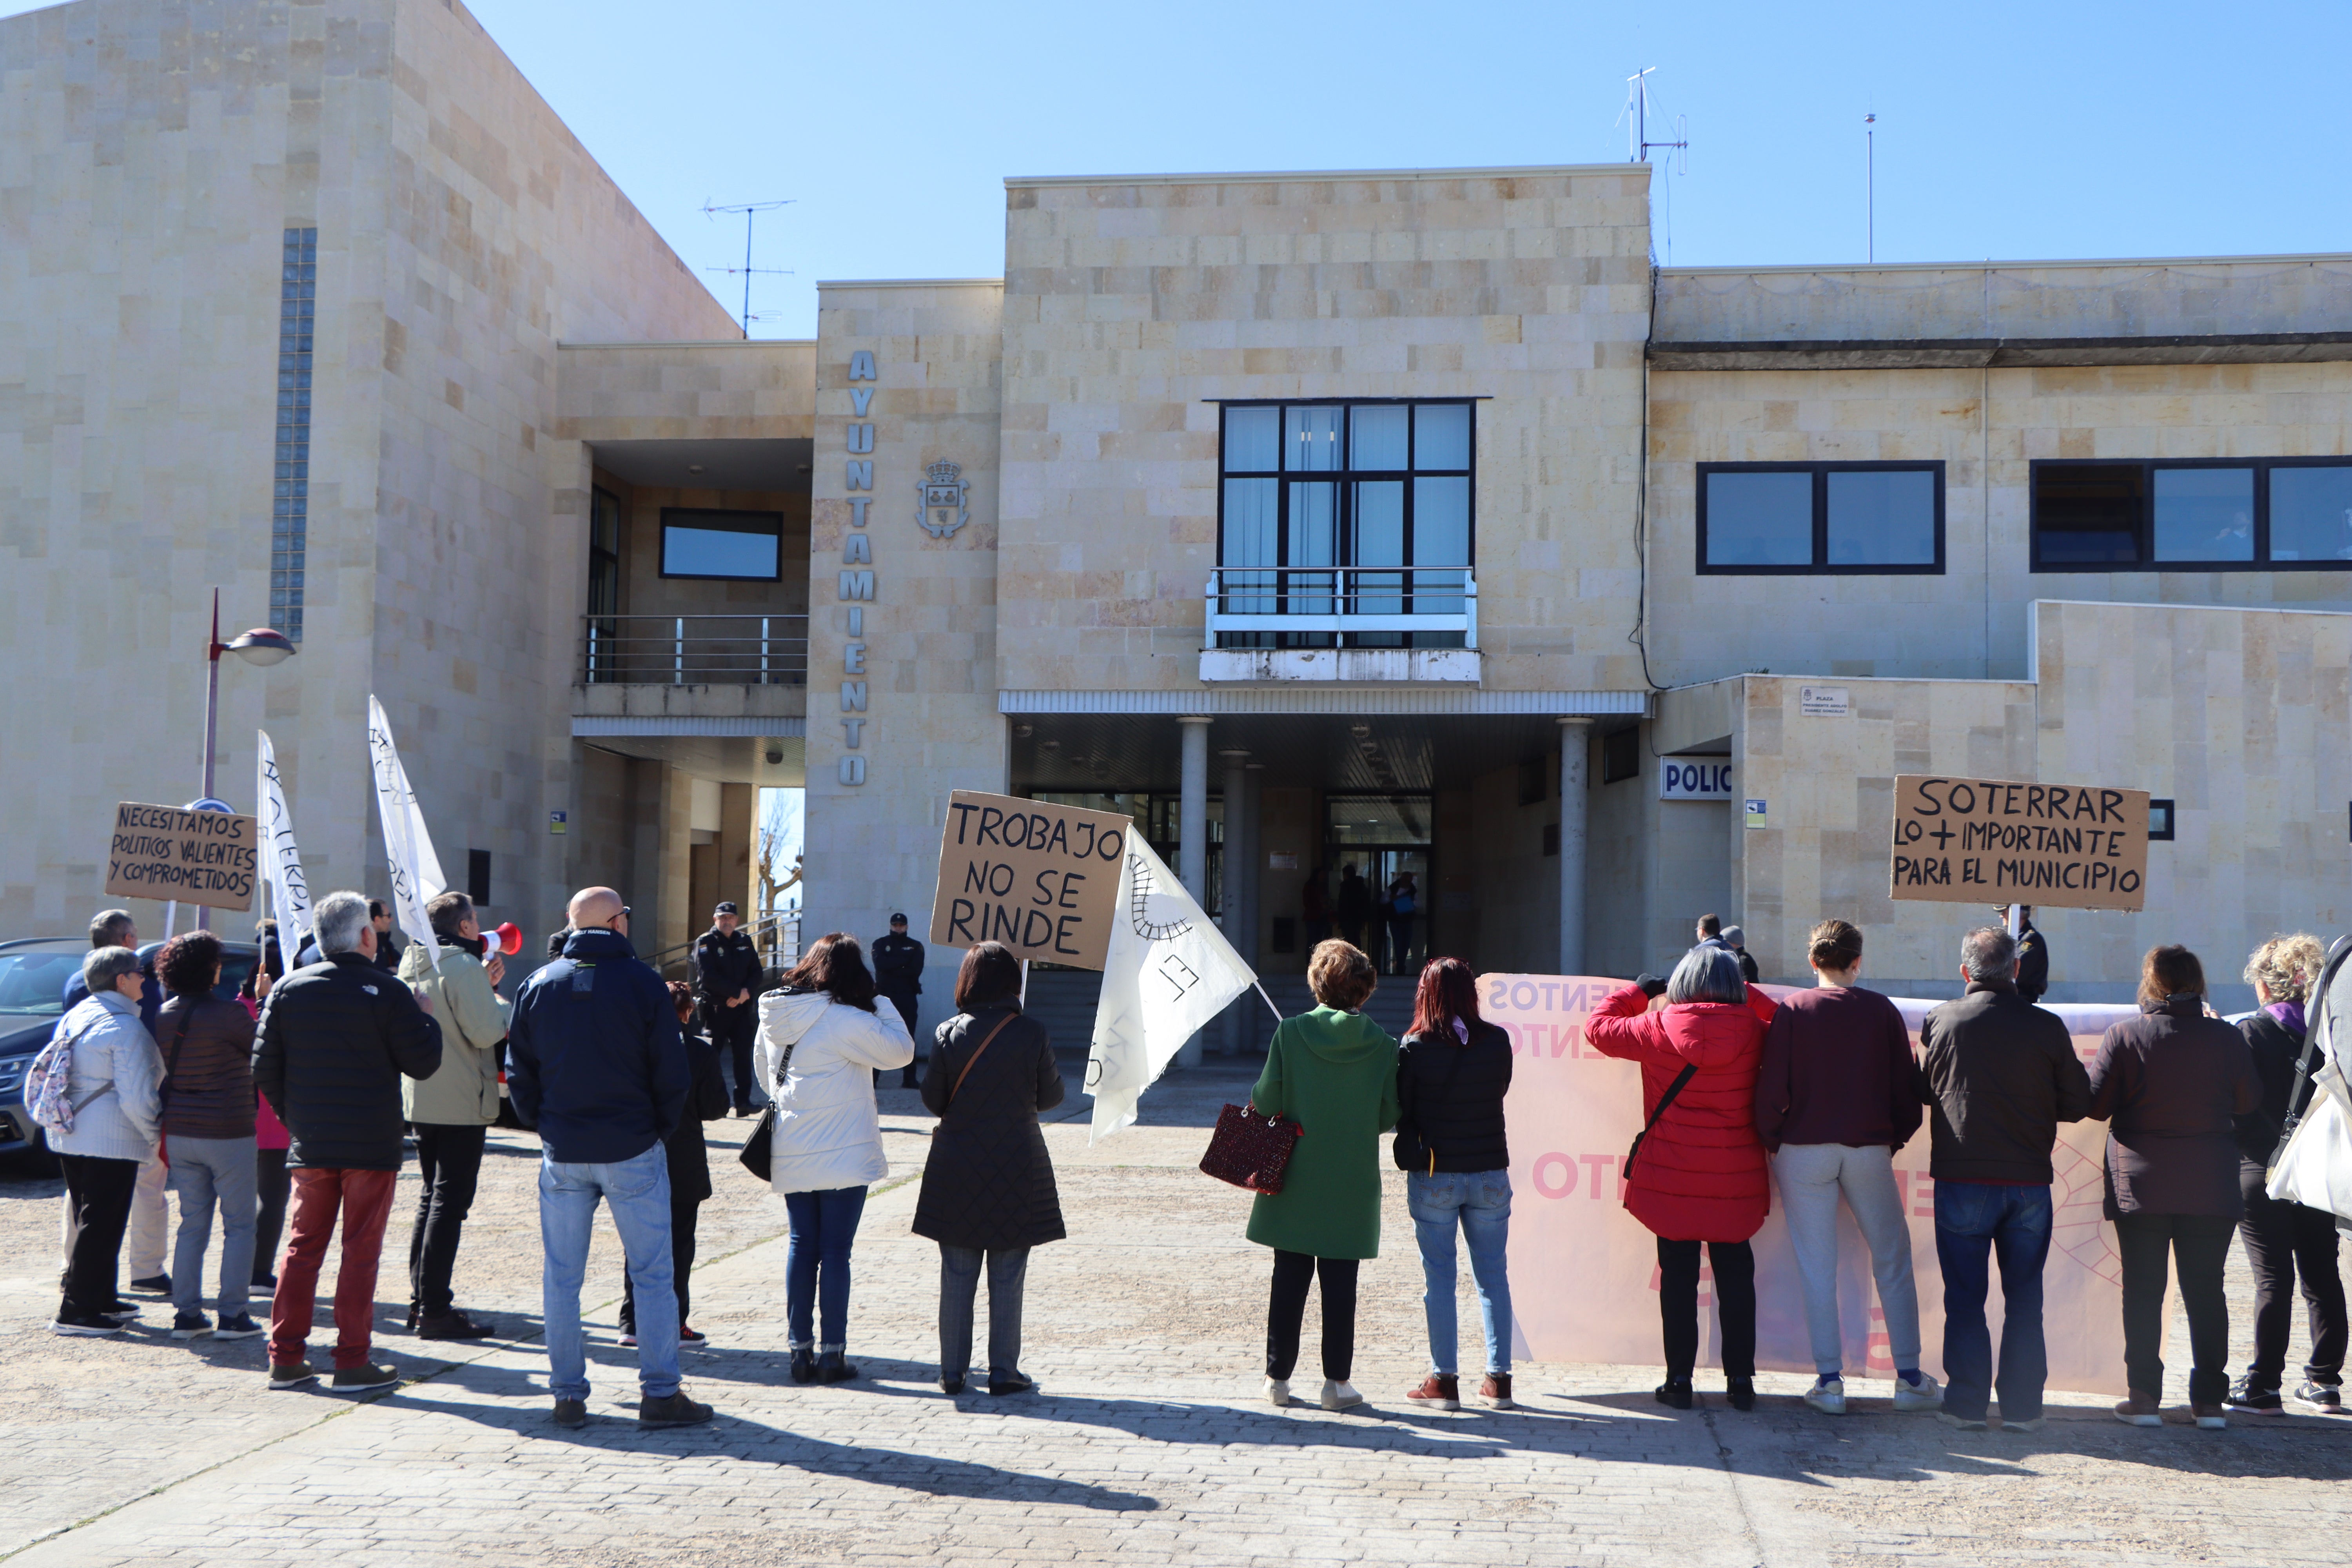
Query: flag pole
{"type": "Point", "coordinates": [1270, 1007]}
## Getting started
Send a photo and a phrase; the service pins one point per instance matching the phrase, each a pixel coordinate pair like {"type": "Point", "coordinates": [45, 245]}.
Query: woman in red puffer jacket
{"type": "Point", "coordinates": [1701, 1174]}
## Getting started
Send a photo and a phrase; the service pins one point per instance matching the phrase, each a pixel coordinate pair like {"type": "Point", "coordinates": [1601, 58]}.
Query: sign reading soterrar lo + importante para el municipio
{"type": "Point", "coordinates": [1993, 841]}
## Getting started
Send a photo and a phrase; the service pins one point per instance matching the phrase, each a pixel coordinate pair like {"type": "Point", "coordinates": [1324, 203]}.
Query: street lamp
{"type": "Point", "coordinates": [260, 645]}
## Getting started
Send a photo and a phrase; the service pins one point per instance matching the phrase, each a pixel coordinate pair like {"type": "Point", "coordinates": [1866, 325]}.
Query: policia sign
{"type": "Point", "coordinates": [195, 857]}
{"type": "Point", "coordinates": [1989, 841]}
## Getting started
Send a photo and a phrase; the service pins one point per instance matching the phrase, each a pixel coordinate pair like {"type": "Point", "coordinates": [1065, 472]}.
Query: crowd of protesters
{"type": "Point", "coordinates": [294, 1107]}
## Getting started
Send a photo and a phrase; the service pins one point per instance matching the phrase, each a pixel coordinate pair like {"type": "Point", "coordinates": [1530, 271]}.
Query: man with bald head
{"type": "Point", "coordinates": [597, 1064]}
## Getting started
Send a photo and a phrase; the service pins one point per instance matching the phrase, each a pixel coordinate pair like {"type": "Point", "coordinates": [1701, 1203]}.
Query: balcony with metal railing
{"type": "Point", "coordinates": [694, 650]}
{"type": "Point", "coordinates": [1341, 623]}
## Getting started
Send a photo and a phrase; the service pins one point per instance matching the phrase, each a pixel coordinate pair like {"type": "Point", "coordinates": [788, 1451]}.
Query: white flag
{"type": "Point", "coordinates": [1168, 971]}
{"type": "Point", "coordinates": [416, 873]}
{"type": "Point", "coordinates": [289, 895]}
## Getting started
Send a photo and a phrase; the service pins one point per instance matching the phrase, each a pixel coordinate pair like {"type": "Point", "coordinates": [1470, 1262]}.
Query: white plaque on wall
{"type": "Point", "coordinates": [1823, 701]}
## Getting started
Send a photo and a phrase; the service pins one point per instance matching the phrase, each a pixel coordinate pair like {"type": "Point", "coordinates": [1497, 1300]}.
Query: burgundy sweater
{"type": "Point", "coordinates": [1837, 1069]}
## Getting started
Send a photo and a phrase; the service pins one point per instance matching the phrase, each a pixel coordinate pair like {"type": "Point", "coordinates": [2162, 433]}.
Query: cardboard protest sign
{"type": "Point", "coordinates": [194, 856]}
{"type": "Point", "coordinates": [1584, 1273]}
{"type": "Point", "coordinates": [1043, 879]}
{"type": "Point", "coordinates": [1980, 841]}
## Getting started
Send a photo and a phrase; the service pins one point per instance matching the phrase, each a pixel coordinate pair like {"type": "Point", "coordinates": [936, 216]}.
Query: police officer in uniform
{"type": "Point", "coordinates": [898, 975]}
{"type": "Point", "coordinates": [2032, 955]}
{"type": "Point", "coordinates": [726, 968]}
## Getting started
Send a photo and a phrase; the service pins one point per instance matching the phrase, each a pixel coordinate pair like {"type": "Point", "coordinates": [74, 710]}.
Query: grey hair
{"type": "Point", "coordinates": [338, 919]}
{"type": "Point", "coordinates": [1707, 975]}
{"type": "Point", "coordinates": [106, 926]}
{"type": "Point", "coordinates": [105, 965]}
{"type": "Point", "coordinates": [1989, 954]}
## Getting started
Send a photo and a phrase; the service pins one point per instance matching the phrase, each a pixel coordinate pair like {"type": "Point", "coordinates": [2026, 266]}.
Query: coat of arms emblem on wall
{"type": "Point", "coordinates": [945, 504]}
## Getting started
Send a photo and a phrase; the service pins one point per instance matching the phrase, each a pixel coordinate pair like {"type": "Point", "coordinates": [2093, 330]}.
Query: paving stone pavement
{"type": "Point", "coordinates": [1149, 1443]}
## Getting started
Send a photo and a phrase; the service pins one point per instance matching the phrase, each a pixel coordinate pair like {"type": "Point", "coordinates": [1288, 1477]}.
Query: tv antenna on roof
{"type": "Point", "coordinates": [749, 209]}
{"type": "Point", "coordinates": [1636, 120]}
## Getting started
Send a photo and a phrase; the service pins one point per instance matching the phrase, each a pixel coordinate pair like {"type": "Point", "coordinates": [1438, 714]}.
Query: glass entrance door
{"type": "Point", "coordinates": [1382, 868]}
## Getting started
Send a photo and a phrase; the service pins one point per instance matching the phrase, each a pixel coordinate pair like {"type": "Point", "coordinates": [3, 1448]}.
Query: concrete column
{"type": "Point", "coordinates": [1573, 734]}
{"type": "Point", "coordinates": [1253, 820]}
{"type": "Point", "coordinates": [1229, 1026]}
{"type": "Point", "coordinates": [1192, 835]}
{"type": "Point", "coordinates": [1255, 1023]}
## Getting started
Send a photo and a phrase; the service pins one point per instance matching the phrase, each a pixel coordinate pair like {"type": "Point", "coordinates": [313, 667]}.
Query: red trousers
{"type": "Point", "coordinates": [364, 1198]}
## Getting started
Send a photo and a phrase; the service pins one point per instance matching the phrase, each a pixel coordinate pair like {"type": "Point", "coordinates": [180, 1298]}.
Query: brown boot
{"type": "Point", "coordinates": [1494, 1388]}
{"type": "Point", "coordinates": [1438, 1389]}
{"type": "Point", "coordinates": [2140, 1410]}
{"type": "Point", "coordinates": [2210, 1418]}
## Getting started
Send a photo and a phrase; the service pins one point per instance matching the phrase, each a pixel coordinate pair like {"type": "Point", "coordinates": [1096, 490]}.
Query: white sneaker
{"type": "Point", "coordinates": [1927, 1394]}
{"type": "Point", "coordinates": [2036, 1425]}
{"type": "Point", "coordinates": [1339, 1395]}
{"type": "Point", "coordinates": [1827, 1395]}
{"type": "Point", "coordinates": [1277, 1391]}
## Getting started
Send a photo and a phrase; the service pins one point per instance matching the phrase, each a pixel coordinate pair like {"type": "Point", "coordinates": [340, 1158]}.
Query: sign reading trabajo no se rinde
{"type": "Point", "coordinates": [1993, 841]}
{"type": "Point", "coordinates": [1041, 878]}
{"type": "Point", "coordinates": [195, 857]}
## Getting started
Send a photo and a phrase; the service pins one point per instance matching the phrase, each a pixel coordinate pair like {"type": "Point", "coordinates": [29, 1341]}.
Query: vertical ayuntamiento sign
{"type": "Point", "coordinates": [194, 856]}
{"type": "Point", "coordinates": [1041, 878]}
{"type": "Point", "coordinates": [1993, 841]}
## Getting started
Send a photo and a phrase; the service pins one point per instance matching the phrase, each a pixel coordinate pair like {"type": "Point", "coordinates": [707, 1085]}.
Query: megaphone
{"type": "Point", "coordinates": [507, 938]}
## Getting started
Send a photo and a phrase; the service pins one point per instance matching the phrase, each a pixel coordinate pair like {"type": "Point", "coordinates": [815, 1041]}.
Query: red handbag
{"type": "Point", "coordinates": [1251, 1151]}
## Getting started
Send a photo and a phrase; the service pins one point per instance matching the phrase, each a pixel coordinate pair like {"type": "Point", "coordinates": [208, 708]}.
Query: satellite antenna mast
{"type": "Point", "coordinates": [749, 209]}
{"type": "Point", "coordinates": [1869, 188]}
{"type": "Point", "coordinates": [1637, 124]}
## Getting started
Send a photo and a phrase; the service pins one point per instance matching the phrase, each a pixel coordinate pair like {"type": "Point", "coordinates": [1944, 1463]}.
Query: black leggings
{"type": "Point", "coordinates": [1293, 1273]}
{"type": "Point", "coordinates": [2283, 1240]}
{"type": "Point", "coordinates": [274, 1183]}
{"type": "Point", "coordinates": [1735, 1302]}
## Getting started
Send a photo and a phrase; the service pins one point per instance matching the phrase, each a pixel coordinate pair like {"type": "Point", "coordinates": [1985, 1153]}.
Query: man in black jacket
{"type": "Point", "coordinates": [1998, 1075]}
{"type": "Point", "coordinates": [597, 1066]}
{"type": "Point", "coordinates": [333, 1044]}
{"type": "Point", "coordinates": [898, 961]}
{"type": "Point", "coordinates": [726, 970]}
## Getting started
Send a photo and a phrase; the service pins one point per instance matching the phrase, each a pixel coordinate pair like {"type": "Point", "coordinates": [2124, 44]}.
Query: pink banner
{"type": "Point", "coordinates": [1584, 1272]}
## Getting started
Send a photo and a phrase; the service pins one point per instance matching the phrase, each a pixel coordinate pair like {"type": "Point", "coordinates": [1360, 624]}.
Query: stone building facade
{"type": "Point", "coordinates": [1411, 522]}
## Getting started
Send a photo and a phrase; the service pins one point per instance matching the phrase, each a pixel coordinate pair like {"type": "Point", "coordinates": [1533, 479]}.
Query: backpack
{"type": "Point", "coordinates": [48, 1078]}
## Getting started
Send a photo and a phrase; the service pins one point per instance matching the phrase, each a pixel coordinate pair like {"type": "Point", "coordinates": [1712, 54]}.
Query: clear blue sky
{"type": "Point", "coordinates": [2010, 130]}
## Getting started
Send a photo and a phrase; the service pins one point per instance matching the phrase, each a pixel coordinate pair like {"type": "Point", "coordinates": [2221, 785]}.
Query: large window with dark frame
{"type": "Point", "coordinates": [1346, 509]}
{"type": "Point", "coordinates": [1851, 519]}
{"type": "Point", "coordinates": [700, 543]}
{"type": "Point", "coordinates": [2269, 514]}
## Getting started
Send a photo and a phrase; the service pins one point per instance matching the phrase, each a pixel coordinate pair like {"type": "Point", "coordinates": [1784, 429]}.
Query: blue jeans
{"type": "Point", "coordinates": [2012, 1224]}
{"type": "Point", "coordinates": [209, 1172]}
{"type": "Point", "coordinates": [816, 1263]}
{"type": "Point", "coordinates": [1480, 1203]}
{"type": "Point", "coordinates": [637, 1189]}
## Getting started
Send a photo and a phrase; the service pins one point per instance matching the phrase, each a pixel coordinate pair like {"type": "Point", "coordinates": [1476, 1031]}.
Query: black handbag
{"type": "Point", "coordinates": [756, 1156]}
{"type": "Point", "coordinates": [1625, 1172]}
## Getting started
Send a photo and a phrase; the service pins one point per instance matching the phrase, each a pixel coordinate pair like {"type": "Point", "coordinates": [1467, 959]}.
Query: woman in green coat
{"type": "Point", "coordinates": [1334, 1072]}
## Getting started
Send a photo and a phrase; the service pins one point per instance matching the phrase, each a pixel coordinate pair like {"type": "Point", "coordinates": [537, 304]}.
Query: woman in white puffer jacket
{"type": "Point", "coordinates": [822, 1038]}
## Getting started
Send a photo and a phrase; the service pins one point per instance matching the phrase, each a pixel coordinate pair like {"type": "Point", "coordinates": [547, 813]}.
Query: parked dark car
{"type": "Point", "coordinates": [33, 975]}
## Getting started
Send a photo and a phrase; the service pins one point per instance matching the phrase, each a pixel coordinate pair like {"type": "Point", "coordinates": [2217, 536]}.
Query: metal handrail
{"type": "Point", "coordinates": [779, 935]}
{"type": "Point", "coordinates": [678, 650]}
{"type": "Point", "coordinates": [1401, 598]}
